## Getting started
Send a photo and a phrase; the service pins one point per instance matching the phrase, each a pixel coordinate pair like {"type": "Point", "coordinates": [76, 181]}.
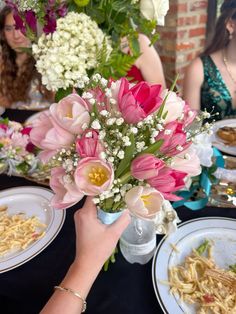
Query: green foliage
{"type": "Point", "coordinates": [154, 148]}
{"type": "Point", "coordinates": [61, 93]}
{"type": "Point", "coordinates": [125, 162]}
{"type": "Point", "coordinates": [118, 19]}
{"type": "Point", "coordinates": [116, 66]}
{"type": "Point", "coordinates": [23, 167]}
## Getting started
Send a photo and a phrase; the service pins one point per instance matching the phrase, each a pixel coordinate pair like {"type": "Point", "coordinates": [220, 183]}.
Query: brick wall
{"type": "Point", "coordinates": [182, 37]}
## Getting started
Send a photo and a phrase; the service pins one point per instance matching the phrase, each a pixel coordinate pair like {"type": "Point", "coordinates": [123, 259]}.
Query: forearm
{"type": "Point", "coordinates": [79, 278]}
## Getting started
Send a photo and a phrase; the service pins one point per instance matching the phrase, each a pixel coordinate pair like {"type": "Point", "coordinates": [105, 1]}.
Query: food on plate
{"type": "Point", "coordinates": [17, 231]}
{"type": "Point", "coordinates": [200, 281]}
{"type": "Point", "coordinates": [228, 135]}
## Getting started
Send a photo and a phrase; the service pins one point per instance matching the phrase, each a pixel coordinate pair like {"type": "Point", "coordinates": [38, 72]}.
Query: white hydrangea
{"type": "Point", "coordinates": [25, 5]}
{"type": "Point", "coordinates": [64, 57]}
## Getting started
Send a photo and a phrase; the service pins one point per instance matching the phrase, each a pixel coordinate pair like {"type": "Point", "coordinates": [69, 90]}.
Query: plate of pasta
{"type": "Point", "coordinates": [27, 224]}
{"type": "Point", "coordinates": [194, 269]}
{"type": "Point", "coordinates": [224, 136]}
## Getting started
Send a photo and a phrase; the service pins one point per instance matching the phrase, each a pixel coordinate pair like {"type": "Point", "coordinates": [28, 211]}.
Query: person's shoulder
{"type": "Point", "coordinates": [143, 39]}
{"type": "Point", "coordinates": [195, 68]}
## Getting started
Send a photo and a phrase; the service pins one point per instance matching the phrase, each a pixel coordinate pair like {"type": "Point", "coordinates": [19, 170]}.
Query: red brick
{"type": "Point", "coordinates": [168, 35]}
{"type": "Point", "coordinates": [202, 42]}
{"type": "Point", "coordinates": [190, 20]}
{"type": "Point", "coordinates": [197, 32]}
{"type": "Point", "coordinates": [184, 46]}
{"type": "Point", "coordinates": [203, 19]}
{"type": "Point", "coordinates": [181, 21]}
{"type": "Point", "coordinates": [182, 33]}
{"type": "Point", "coordinates": [180, 8]}
{"type": "Point", "coordinates": [199, 5]}
{"type": "Point", "coordinates": [167, 59]}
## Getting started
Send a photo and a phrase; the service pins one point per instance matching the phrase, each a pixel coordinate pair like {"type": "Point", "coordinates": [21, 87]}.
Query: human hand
{"type": "Point", "coordinates": [96, 241]}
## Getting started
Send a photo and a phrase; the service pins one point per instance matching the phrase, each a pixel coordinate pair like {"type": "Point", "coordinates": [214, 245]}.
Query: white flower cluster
{"type": "Point", "coordinates": [64, 57]}
{"type": "Point", "coordinates": [25, 5]}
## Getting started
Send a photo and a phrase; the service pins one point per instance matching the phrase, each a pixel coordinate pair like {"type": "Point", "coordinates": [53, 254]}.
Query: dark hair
{"type": "Point", "coordinates": [13, 86]}
{"type": "Point", "coordinates": [221, 35]}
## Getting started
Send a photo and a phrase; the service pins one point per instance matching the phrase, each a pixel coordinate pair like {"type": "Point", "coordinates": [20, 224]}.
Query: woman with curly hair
{"type": "Point", "coordinates": [20, 84]}
{"type": "Point", "coordinates": [210, 80]}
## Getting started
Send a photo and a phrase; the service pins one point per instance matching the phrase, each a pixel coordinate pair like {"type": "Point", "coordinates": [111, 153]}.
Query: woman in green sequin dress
{"type": "Point", "coordinates": [210, 80]}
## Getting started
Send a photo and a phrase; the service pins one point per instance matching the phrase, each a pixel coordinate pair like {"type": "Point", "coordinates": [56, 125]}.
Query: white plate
{"type": "Point", "coordinates": [32, 201]}
{"type": "Point", "coordinates": [217, 142]}
{"type": "Point", "coordinates": [190, 235]}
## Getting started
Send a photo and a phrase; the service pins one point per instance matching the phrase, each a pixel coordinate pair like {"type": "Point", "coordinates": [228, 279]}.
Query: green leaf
{"type": "Point", "coordinates": [61, 93]}
{"type": "Point", "coordinates": [4, 121]}
{"type": "Point", "coordinates": [1, 145]}
{"type": "Point", "coordinates": [153, 148]}
{"type": "Point", "coordinates": [134, 46]}
{"type": "Point", "coordinates": [203, 247]}
{"type": "Point", "coordinates": [108, 203]}
{"type": "Point", "coordinates": [233, 268]}
{"type": "Point", "coordinates": [125, 162]}
{"type": "Point", "coordinates": [23, 168]}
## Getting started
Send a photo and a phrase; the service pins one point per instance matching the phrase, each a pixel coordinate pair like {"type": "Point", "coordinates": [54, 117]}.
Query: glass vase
{"type": "Point", "coordinates": [108, 218]}
{"type": "Point", "coordinates": [138, 241]}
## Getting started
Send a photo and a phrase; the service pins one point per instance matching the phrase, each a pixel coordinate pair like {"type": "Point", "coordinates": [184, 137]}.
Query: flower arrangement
{"type": "Point", "coordinates": [65, 57]}
{"type": "Point", "coordinates": [68, 26]}
{"type": "Point", "coordinates": [16, 149]}
{"type": "Point", "coordinates": [128, 146]}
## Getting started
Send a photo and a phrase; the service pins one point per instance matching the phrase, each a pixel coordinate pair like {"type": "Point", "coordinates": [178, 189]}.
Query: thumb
{"type": "Point", "coordinates": [121, 223]}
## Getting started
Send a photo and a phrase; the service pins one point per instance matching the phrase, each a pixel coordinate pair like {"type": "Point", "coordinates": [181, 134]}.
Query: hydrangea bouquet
{"type": "Point", "coordinates": [88, 33]}
{"type": "Point", "coordinates": [128, 146]}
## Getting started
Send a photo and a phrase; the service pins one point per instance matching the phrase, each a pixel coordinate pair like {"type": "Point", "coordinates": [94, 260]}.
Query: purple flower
{"type": "Point", "coordinates": [31, 20]}
{"type": "Point", "coordinates": [62, 10]}
{"type": "Point", "coordinates": [19, 22]}
{"type": "Point", "coordinates": [50, 25]}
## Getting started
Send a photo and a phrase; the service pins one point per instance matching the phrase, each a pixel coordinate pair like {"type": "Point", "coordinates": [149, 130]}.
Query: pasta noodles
{"type": "Point", "coordinates": [17, 232]}
{"type": "Point", "coordinates": [199, 281]}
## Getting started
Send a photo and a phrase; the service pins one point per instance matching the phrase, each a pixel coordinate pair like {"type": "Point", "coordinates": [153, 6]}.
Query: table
{"type": "Point", "coordinates": [125, 288]}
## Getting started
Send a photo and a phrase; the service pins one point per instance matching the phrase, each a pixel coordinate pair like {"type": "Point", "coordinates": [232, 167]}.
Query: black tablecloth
{"type": "Point", "coordinates": [125, 288]}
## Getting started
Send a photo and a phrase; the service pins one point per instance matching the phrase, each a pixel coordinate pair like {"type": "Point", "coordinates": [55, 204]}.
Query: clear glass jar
{"type": "Point", "coordinates": [138, 241]}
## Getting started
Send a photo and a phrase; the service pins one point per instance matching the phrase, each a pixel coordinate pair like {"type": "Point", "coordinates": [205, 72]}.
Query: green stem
{"type": "Point", "coordinates": [125, 178]}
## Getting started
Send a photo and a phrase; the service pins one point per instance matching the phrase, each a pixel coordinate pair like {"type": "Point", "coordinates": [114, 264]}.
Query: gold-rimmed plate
{"type": "Point", "coordinates": [32, 201]}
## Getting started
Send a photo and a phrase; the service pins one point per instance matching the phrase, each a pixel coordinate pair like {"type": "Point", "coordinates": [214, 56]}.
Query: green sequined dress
{"type": "Point", "coordinates": [214, 92]}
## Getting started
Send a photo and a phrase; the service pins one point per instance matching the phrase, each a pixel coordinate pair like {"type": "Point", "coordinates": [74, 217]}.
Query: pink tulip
{"type": "Point", "coordinates": [146, 166]}
{"type": "Point", "coordinates": [187, 161]}
{"type": "Point", "coordinates": [66, 193]}
{"type": "Point", "coordinates": [49, 136]}
{"type": "Point", "coordinates": [174, 106]}
{"type": "Point", "coordinates": [71, 113]}
{"type": "Point", "coordinates": [93, 176]}
{"type": "Point", "coordinates": [144, 202]}
{"type": "Point", "coordinates": [138, 102]}
{"type": "Point", "coordinates": [26, 130]}
{"type": "Point", "coordinates": [3, 127]}
{"type": "Point", "coordinates": [88, 145]}
{"type": "Point", "coordinates": [189, 115]}
{"type": "Point", "coordinates": [167, 182]}
{"type": "Point", "coordinates": [175, 139]}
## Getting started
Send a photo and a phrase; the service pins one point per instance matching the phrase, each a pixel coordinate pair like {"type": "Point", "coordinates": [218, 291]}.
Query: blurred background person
{"type": "Point", "coordinates": [148, 66]}
{"type": "Point", "coordinates": [210, 80]}
{"type": "Point", "coordinates": [20, 85]}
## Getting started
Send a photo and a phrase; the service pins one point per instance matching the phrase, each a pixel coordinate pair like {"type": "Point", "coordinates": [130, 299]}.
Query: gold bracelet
{"type": "Point", "coordinates": [74, 293]}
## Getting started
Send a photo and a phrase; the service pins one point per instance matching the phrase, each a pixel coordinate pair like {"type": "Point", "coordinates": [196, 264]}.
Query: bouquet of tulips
{"type": "Point", "coordinates": [128, 146]}
{"type": "Point", "coordinates": [16, 150]}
